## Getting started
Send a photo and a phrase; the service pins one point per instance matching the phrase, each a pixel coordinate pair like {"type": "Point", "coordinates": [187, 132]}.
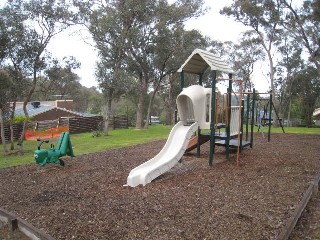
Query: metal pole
{"type": "Point", "coordinates": [270, 113]}
{"type": "Point", "coordinates": [229, 117]}
{"type": "Point", "coordinates": [199, 130]}
{"type": "Point", "coordinates": [247, 116]}
{"type": "Point", "coordinates": [181, 80]}
{"type": "Point", "coordinates": [200, 79]}
{"type": "Point", "coordinates": [252, 115]}
{"type": "Point", "coordinates": [212, 126]}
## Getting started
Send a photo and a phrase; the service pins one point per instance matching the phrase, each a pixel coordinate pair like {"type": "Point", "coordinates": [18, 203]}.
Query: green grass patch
{"type": "Point", "coordinates": [298, 130]}
{"type": "Point", "coordinates": [84, 143]}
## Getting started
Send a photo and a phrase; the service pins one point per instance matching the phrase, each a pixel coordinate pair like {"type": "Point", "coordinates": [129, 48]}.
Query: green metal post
{"type": "Point", "coordinates": [270, 114]}
{"type": "Point", "coordinates": [241, 126]}
{"type": "Point", "coordinates": [247, 116]}
{"type": "Point", "coordinates": [212, 127]}
{"type": "Point", "coordinates": [252, 116]}
{"type": "Point", "coordinates": [181, 80]}
{"type": "Point", "coordinates": [229, 115]}
{"type": "Point", "coordinates": [198, 143]}
{"type": "Point", "coordinates": [199, 130]}
{"type": "Point", "coordinates": [200, 79]}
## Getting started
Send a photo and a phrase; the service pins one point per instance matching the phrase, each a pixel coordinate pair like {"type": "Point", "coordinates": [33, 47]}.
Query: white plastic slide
{"type": "Point", "coordinates": [170, 154]}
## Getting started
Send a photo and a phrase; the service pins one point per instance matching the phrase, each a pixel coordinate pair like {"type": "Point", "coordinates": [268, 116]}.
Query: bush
{"type": "Point", "coordinates": [20, 119]}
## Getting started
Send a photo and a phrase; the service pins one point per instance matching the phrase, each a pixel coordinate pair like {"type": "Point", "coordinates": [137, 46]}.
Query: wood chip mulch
{"type": "Point", "coordinates": [86, 198]}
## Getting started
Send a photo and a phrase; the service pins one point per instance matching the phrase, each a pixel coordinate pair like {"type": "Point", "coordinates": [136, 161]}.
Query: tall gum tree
{"type": "Point", "coordinates": [134, 35]}
{"type": "Point", "coordinates": [303, 24]}
{"type": "Point", "coordinates": [31, 25]}
{"type": "Point", "coordinates": [263, 17]}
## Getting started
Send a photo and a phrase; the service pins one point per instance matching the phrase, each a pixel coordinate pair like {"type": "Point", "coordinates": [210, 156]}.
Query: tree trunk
{"type": "Point", "coordinates": [289, 111]}
{"type": "Point", "coordinates": [146, 125]}
{"type": "Point", "coordinates": [25, 123]}
{"type": "Point", "coordinates": [107, 117]}
{"type": "Point", "coordinates": [141, 103]}
{"type": "Point", "coordinates": [309, 107]}
{"type": "Point", "coordinates": [11, 125]}
{"type": "Point", "coordinates": [171, 107]}
{"type": "Point", "coordinates": [3, 139]}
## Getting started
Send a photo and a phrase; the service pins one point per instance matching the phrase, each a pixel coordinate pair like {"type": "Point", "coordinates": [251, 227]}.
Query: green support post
{"type": "Point", "coordinates": [181, 80]}
{"type": "Point", "coordinates": [229, 115]}
{"type": "Point", "coordinates": [247, 116]}
{"type": "Point", "coordinates": [199, 130]}
{"type": "Point", "coordinates": [212, 127]}
{"type": "Point", "coordinates": [198, 143]}
{"type": "Point", "coordinates": [252, 116]}
{"type": "Point", "coordinates": [270, 115]}
{"type": "Point", "coordinates": [241, 124]}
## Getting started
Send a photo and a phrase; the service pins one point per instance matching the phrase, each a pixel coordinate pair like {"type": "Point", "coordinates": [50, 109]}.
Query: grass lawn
{"type": "Point", "coordinates": [84, 143]}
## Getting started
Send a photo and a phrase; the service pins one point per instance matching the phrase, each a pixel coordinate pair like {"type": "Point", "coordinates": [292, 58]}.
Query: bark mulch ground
{"type": "Point", "coordinates": [86, 199]}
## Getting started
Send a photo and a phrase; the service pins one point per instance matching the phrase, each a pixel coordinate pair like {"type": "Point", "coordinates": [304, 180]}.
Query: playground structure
{"type": "Point", "coordinates": [53, 155]}
{"type": "Point", "coordinates": [197, 109]}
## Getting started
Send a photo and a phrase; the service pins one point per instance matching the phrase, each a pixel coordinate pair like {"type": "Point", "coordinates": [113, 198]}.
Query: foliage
{"type": "Point", "coordinates": [303, 26]}
{"type": "Point", "coordinates": [263, 18]}
{"type": "Point", "coordinates": [308, 89]}
{"type": "Point", "coordinates": [21, 119]}
{"type": "Point", "coordinates": [30, 25]}
{"type": "Point", "coordinates": [141, 38]}
{"type": "Point", "coordinates": [59, 79]}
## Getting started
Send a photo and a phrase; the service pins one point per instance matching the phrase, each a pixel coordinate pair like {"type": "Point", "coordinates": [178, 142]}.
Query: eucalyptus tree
{"type": "Point", "coordinates": [159, 23]}
{"type": "Point", "coordinates": [113, 86]}
{"type": "Point", "coordinates": [263, 17]}
{"type": "Point", "coordinates": [109, 23]}
{"type": "Point", "coordinates": [58, 79]}
{"type": "Point", "coordinates": [169, 88]}
{"type": "Point", "coordinates": [4, 41]}
{"type": "Point", "coordinates": [31, 25]}
{"type": "Point", "coordinates": [303, 24]}
{"type": "Point", "coordinates": [5, 99]}
{"type": "Point", "coordinates": [129, 35]}
{"type": "Point", "coordinates": [290, 64]}
{"type": "Point", "coordinates": [307, 87]}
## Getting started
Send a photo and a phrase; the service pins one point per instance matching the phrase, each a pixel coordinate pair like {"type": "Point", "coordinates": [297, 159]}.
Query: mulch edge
{"type": "Point", "coordinates": [292, 221]}
{"type": "Point", "coordinates": [18, 223]}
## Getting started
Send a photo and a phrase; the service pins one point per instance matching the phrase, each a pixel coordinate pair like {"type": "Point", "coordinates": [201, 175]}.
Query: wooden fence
{"type": "Point", "coordinates": [84, 124]}
{"type": "Point", "coordinates": [17, 129]}
{"type": "Point", "coordinates": [74, 125]}
{"type": "Point", "coordinates": [119, 122]}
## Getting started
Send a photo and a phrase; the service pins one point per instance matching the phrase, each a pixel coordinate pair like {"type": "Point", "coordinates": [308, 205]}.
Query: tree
{"type": "Point", "coordinates": [109, 29]}
{"type": "Point", "coordinates": [30, 26]}
{"type": "Point", "coordinates": [170, 88]}
{"type": "Point", "coordinates": [131, 32]}
{"type": "Point", "coordinates": [289, 65]}
{"type": "Point", "coordinates": [263, 17]}
{"type": "Point", "coordinates": [304, 25]}
{"type": "Point", "coordinates": [113, 85]}
{"type": "Point", "coordinates": [59, 80]}
{"type": "Point", "coordinates": [307, 86]}
{"type": "Point", "coordinates": [5, 94]}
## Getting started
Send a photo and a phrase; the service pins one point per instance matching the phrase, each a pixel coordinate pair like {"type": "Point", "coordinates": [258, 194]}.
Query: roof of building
{"type": "Point", "coordinates": [200, 60]}
{"type": "Point", "coordinates": [34, 111]}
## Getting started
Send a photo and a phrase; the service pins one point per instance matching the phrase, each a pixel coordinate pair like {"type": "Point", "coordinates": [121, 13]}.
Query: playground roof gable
{"type": "Point", "coordinates": [200, 60]}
